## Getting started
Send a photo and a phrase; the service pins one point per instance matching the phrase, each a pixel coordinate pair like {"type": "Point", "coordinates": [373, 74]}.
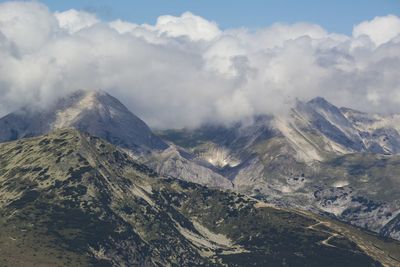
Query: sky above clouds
{"type": "Point", "coordinates": [184, 70]}
{"type": "Point", "coordinates": [251, 14]}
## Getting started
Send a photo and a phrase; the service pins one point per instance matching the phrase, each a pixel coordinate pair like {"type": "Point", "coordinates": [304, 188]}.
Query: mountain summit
{"type": "Point", "coordinates": [94, 112]}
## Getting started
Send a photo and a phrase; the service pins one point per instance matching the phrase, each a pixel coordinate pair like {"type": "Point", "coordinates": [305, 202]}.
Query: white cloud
{"type": "Point", "coordinates": [28, 26]}
{"type": "Point", "coordinates": [73, 20]}
{"type": "Point", "coordinates": [194, 27]}
{"type": "Point", "coordinates": [380, 29]}
{"type": "Point", "coordinates": [123, 26]}
{"type": "Point", "coordinates": [184, 70]}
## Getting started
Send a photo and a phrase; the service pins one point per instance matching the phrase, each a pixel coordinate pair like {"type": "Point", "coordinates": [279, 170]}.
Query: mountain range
{"type": "Point", "coordinates": [88, 161]}
{"type": "Point", "coordinates": [331, 160]}
{"type": "Point", "coordinates": [71, 199]}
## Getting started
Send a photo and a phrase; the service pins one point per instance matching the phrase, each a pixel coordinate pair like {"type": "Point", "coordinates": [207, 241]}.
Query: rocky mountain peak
{"type": "Point", "coordinates": [319, 101]}
{"type": "Point", "coordinates": [94, 112]}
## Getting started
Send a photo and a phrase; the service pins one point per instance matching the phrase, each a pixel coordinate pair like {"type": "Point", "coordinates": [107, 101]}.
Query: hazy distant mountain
{"type": "Point", "coordinates": [342, 131]}
{"type": "Point", "coordinates": [318, 157]}
{"type": "Point", "coordinates": [70, 199]}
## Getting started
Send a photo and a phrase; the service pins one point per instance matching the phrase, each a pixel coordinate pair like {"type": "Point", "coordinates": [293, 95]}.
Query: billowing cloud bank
{"type": "Point", "coordinates": [185, 70]}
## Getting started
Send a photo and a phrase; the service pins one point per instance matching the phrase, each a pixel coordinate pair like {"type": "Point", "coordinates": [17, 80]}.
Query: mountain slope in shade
{"type": "Point", "coordinates": [69, 199]}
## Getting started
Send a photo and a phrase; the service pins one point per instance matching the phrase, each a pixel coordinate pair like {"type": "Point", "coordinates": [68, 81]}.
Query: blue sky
{"type": "Point", "coordinates": [335, 16]}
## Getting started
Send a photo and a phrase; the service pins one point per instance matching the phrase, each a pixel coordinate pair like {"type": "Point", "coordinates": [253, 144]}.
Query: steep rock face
{"type": "Point", "coordinates": [70, 199]}
{"type": "Point", "coordinates": [381, 133]}
{"type": "Point", "coordinates": [345, 130]}
{"type": "Point", "coordinates": [329, 121]}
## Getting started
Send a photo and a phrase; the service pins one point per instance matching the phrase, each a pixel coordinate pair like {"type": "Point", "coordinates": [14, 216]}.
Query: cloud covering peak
{"type": "Point", "coordinates": [185, 70]}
